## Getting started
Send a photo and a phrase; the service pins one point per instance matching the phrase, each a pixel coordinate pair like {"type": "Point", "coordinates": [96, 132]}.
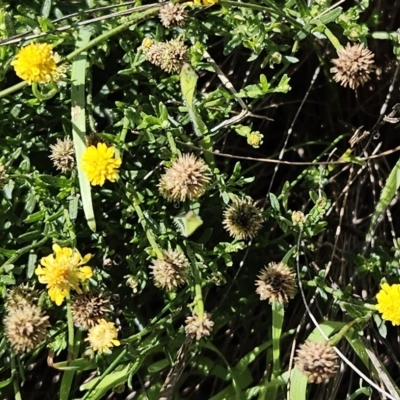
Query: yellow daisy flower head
{"type": "Point", "coordinates": [37, 62]}
{"type": "Point", "coordinates": [103, 336]}
{"type": "Point", "coordinates": [389, 303]}
{"type": "Point", "coordinates": [100, 164]}
{"type": "Point", "coordinates": [205, 2]}
{"type": "Point", "coordinates": [63, 271]}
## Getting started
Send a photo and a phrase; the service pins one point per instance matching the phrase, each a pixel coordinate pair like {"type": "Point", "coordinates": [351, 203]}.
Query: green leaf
{"type": "Point", "coordinates": [331, 15]}
{"type": "Point", "coordinates": [389, 191]}
{"type": "Point", "coordinates": [188, 86]}
{"type": "Point", "coordinates": [188, 223]}
{"type": "Point", "coordinates": [79, 123]}
{"type": "Point", "coordinates": [298, 385]}
{"type": "Point", "coordinates": [108, 382]}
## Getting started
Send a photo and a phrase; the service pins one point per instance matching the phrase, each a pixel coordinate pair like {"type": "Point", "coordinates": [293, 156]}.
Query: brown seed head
{"type": "Point", "coordinates": [196, 328]}
{"type": "Point", "coordinates": [277, 283]}
{"type": "Point", "coordinates": [172, 14]}
{"type": "Point", "coordinates": [154, 52]}
{"type": "Point", "coordinates": [317, 360]}
{"type": "Point", "coordinates": [89, 308]}
{"type": "Point", "coordinates": [169, 56]}
{"type": "Point", "coordinates": [353, 66]}
{"type": "Point", "coordinates": [21, 295]}
{"type": "Point", "coordinates": [3, 175]}
{"type": "Point", "coordinates": [242, 220]}
{"type": "Point", "coordinates": [63, 155]}
{"type": "Point", "coordinates": [187, 178]}
{"type": "Point", "coordinates": [25, 327]}
{"type": "Point", "coordinates": [174, 55]}
{"type": "Point", "coordinates": [171, 271]}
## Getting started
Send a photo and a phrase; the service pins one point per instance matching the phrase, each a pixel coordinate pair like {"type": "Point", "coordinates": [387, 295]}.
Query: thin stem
{"type": "Point", "coordinates": [22, 251]}
{"type": "Point", "coordinates": [149, 233]}
{"type": "Point", "coordinates": [70, 323]}
{"type": "Point", "coordinates": [111, 368]}
{"type": "Point", "coordinates": [15, 381]}
{"type": "Point", "coordinates": [198, 294]}
{"type": "Point", "coordinates": [106, 35]}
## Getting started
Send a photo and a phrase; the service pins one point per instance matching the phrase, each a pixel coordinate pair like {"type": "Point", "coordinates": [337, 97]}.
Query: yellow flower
{"type": "Point", "coordinates": [103, 336]}
{"type": "Point", "coordinates": [37, 63]}
{"type": "Point", "coordinates": [99, 164]}
{"type": "Point", "coordinates": [63, 272]}
{"type": "Point", "coordinates": [205, 2]}
{"type": "Point", "coordinates": [389, 303]}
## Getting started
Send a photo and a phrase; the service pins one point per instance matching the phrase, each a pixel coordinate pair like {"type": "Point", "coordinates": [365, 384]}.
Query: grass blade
{"type": "Point", "coordinates": [79, 124]}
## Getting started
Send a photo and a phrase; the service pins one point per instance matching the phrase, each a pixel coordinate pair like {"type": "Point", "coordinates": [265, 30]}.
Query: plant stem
{"type": "Point", "coordinates": [149, 233]}
{"type": "Point", "coordinates": [198, 295]}
{"type": "Point", "coordinates": [14, 375]}
{"type": "Point", "coordinates": [70, 323]}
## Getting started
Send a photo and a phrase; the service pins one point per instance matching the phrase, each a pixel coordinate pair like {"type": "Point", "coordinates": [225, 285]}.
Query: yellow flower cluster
{"type": "Point", "coordinates": [63, 272]}
{"type": "Point", "coordinates": [37, 62]}
{"type": "Point", "coordinates": [100, 164]}
{"type": "Point", "coordinates": [389, 303]}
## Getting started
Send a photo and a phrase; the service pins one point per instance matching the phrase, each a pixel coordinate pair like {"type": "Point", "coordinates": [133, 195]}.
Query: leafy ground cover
{"type": "Point", "coordinates": [199, 200]}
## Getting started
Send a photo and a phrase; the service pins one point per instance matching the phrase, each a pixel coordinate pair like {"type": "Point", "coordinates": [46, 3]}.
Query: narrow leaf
{"type": "Point", "coordinates": [79, 124]}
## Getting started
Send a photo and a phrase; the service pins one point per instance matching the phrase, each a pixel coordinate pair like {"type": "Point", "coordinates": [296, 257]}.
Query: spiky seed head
{"type": "Point", "coordinates": [276, 282]}
{"type": "Point", "coordinates": [353, 65]}
{"type": "Point", "coordinates": [25, 327]}
{"type": "Point", "coordinates": [317, 360]}
{"type": "Point", "coordinates": [21, 295]}
{"type": "Point", "coordinates": [187, 178]}
{"type": "Point", "coordinates": [169, 56]}
{"type": "Point", "coordinates": [171, 271]}
{"type": "Point", "coordinates": [242, 219]}
{"type": "Point", "coordinates": [89, 308]}
{"type": "Point", "coordinates": [197, 328]}
{"type": "Point", "coordinates": [3, 175]}
{"type": "Point", "coordinates": [172, 14]}
{"type": "Point", "coordinates": [154, 52]}
{"type": "Point", "coordinates": [174, 56]}
{"type": "Point", "coordinates": [63, 154]}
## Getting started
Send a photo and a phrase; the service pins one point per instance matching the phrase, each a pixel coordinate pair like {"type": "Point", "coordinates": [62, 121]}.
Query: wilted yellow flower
{"type": "Point", "coordinates": [63, 272]}
{"type": "Point", "coordinates": [37, 62]}
{"type": "Point", "coordinates": [100, 164]}
{"type": "Point", "coordinates": [388, 303]}
{"type": "Point", "coordinates": [103, 336]}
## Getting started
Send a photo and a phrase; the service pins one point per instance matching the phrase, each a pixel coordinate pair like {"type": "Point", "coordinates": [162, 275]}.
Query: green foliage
{"type": "Point", "coordinates": [237, 104]}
